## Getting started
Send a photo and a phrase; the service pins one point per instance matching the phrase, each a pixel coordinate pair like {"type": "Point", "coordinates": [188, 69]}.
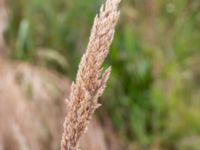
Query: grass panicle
{"type": "Point", "coordinates": [91, 80]}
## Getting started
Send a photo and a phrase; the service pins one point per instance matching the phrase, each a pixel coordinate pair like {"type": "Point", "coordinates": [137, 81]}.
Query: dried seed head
{"type": "Point", "coordinates": [91, 80]}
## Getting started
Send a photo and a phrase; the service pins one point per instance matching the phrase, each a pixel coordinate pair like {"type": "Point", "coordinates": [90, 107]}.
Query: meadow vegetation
{"type": "Point", "coordinates": [153, 95]}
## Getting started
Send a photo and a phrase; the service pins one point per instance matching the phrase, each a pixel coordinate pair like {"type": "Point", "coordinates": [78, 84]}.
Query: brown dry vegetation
{"type": "Point", "coordinates": [32, 107]}
{"type": "Point", "coordinates": [32, 110]}
{"type": "Point", "coordinates": [91, 80]}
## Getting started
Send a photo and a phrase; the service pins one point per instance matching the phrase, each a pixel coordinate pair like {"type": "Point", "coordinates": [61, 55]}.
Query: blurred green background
{"type": "Point", "coordinates": [153, 95]}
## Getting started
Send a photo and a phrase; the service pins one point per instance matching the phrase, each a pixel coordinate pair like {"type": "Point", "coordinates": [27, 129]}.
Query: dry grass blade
{"type": "Point", "coordinates": [91, 80]}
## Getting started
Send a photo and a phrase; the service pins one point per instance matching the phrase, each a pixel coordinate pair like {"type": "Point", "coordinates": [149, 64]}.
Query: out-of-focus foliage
{"type": "Point", "coordinates": [153, 95]}
{"type": "Point", "coordinates": [58, 27]}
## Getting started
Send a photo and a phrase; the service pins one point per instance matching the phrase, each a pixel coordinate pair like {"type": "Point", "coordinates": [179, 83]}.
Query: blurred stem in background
{"type": "Point", "coordinates": [153, 94]}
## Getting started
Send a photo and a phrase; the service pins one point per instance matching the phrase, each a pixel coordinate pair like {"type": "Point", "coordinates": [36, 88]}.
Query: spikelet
{"type": "Point", "coordinates": [91, 80]}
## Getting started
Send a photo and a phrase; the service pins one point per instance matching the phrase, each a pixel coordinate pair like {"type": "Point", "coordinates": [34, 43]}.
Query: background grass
{"type": "Point", "coordinates": [153, 95]}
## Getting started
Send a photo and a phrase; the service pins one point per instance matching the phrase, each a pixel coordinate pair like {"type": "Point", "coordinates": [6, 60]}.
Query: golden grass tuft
{"type": "Point", "coordinates": [91, 80]}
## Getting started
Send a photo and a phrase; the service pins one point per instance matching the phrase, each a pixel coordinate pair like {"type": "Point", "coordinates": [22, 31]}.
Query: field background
{"type": "Point", "coordinates": [153, 96]}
